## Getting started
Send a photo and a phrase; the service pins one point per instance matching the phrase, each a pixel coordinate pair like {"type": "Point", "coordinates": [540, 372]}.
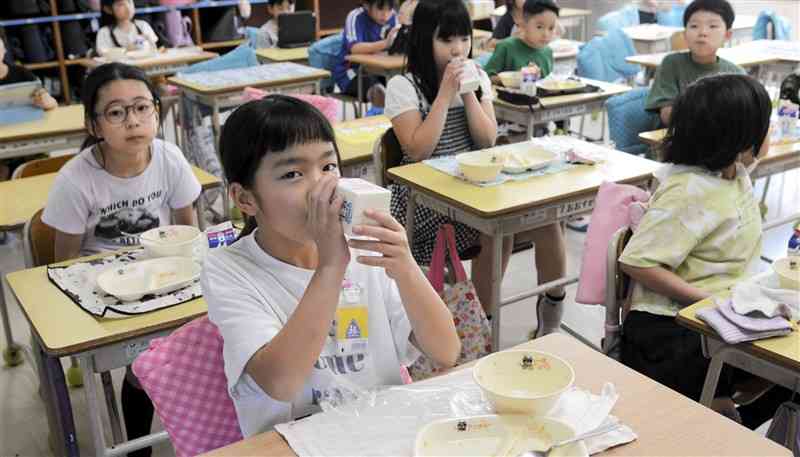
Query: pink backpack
{"type": "Point", "coordinates": [330, 107]}
{"type": "Point", "coordinates": [179, 29]}
{"type": "Point", "coordinates": [184, 376]}
{"type": "Point", "coordinates": [616, 206]}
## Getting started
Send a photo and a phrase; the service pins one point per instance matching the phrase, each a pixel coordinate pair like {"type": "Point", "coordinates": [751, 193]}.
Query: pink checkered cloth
{"type": "Point", "coordinates": [735, 328]}
{"type": "Point", "coordinates": [184, 376]}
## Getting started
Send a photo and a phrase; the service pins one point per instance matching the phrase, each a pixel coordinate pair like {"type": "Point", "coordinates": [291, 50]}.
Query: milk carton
{"type": "Point", "coordinates": [470, 79]}
{"type": "Point", "coordinates": [360, 195]}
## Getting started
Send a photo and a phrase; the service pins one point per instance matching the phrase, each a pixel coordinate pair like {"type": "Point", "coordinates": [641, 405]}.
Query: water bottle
{"type": "Point", "coordinates": [794, 243]}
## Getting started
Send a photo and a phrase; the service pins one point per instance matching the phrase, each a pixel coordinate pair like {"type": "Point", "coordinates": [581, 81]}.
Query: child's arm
{"type": "Point", "coordinates": [184, 216]}
{"type": "Point", "coordinates": [665, 113]}
{"type": "Point", "coordinates": [431, 321]}
{"type": "Point", "coordinates": [283, 365]}
{"type": "Point", "coordinates": [666, 283]}
{"type": "Point", "coordinates": [44, 100]}
{"type": "Point", "coordinates": [67, 246]}
{"type": "Point", "coordinates": [481, 119]}
{"type": "Point", "coordinates": [419, 137]}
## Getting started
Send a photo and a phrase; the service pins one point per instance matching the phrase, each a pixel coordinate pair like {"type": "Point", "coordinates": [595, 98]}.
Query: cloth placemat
{"type": "Point", "coordinates": [79, 282]}
{"type": "Point", "coordinates": [250, 75]}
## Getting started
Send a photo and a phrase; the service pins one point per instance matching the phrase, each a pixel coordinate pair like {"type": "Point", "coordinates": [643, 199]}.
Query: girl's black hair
{"type": "Point", "coordinates": [278, 2]}
{"type": "Point", "coordinates": [440, 18]}
{"type": "Point", "coordinates": [380, 3]}
{"type": "Point", "coordinates": [268, 126]}
{"type": "Point", "coordinates": [99, 78]}
{"type": "Point", "coordinates": [107, 19]}
{"type": "Point", "coordinates": [715, 119]}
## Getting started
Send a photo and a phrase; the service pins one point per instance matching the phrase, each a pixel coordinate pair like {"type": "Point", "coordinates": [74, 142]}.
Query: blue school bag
{"type": "Point", "coordinates": [603, 58]}
{"type": "Point", "coordinates": [619, 19]}
{"type": "Point", "coordinates": [324, 54]}
{"type": "Point", "coordinates": [627, 118]}
{"type": "Point", "coordinates": [781, 28]}
{"type": "Point", "coordinates": [673, 17]}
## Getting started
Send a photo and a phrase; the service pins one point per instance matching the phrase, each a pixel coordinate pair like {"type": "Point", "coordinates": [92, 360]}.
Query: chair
{"type": "Point", "coordinates": [781, 28]}
{"type": "Point", "coordinates": [41, 166]}
{"type": "Point", "coordinates": [619, 19]}
{"type": "Point", "coordinates": [678, 41]}
{"type": "Point", "coordinates": [618, 288]}
{"type": "Point", "coordinates": [184, 376]}
{"type": "Point", "coordinates": [627, 118]}
{"type": "Point", "coordinates": [386, 154]}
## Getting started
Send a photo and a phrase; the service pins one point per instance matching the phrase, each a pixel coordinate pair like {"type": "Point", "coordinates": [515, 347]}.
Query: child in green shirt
{"type": "Point", "coordinates": [707, 26]}
{"type": "Point", "coordinates": [530, 49]}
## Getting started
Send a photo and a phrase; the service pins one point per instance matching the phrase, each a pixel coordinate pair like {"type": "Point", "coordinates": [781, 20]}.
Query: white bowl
{"type": "Point", "coordinates": [480, 166]}
{"type": "Point", "coordinates": [115, 54]}
{"type": "Point", "coordinates": [512, 79]}
{"type": "Point", "coordinates": [155, 276]}
{"type": "Point", "coordinates": [495, 435]}
{"type": "Point", "coordinates": [523, 382]}
{"type": "Point", "coordinates": [788, 274]}
{"type": "Point", "coordinates": [172, 240]}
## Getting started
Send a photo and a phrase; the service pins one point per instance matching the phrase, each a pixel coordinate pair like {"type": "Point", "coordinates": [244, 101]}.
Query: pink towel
{"type": "Point", "coordinates": [735, 328]}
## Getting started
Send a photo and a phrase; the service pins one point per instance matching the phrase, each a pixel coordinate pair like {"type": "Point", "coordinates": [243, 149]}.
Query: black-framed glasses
{"type": "Point", "coordinates": [117, 113]}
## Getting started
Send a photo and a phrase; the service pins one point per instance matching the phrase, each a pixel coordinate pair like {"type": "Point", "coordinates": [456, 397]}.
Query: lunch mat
{"type": "Point", "coordinates": [78, 281]}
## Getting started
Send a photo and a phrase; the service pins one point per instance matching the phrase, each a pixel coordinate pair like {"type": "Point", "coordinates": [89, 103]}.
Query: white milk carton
{"type": "Point", "coordinates": [470, 79]}
{"type": "Point", "coordinates": [360, 195]}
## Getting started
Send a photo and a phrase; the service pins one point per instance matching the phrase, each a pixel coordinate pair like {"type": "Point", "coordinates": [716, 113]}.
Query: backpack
{"type": "Point", "coordinates": [75, 41]}
{"type": "Point", "coordinates": [178, 29]}
{"type": "Point", "coordinates": [35, 43]}
{"type": "Point", "coordinates": [324, 54]}
{"type": "Point", "coordinates": [217, 26]}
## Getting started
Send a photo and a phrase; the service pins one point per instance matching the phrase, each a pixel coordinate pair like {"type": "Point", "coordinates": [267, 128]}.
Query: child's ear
{"type": "Point", "coordinates": [90, 127]}
{"type": "Point", "coordinates": [728, 35]}
{"type": "Point", "coordinates": [244, 199]}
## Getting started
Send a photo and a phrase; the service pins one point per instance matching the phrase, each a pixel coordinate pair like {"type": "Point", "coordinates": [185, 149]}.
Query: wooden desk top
{"type": "Point", "coordinates": [667, 423]}
{"type": "Point", "coordinates": [513, 196]}
{"type": "Point", "coordinates": [66, 329]}
{"type": "Point", "coordinates": [743, 56]}
{"type": "Point", "coordinates": [32, 196]}
{"type": "Point", "coordinates": [650, 32]}
{"type": "Point", "coordinates": [784, 350]}
{"type": "Point", "coordinates": [382, 62]}
{"type": "Point", "coordinates": [564, 13]}
{"type": "Point", "coordinates": [357, 151]}
{"type": "Point", "coordinates": [63, 120]}
{"type": "Point", "coordinates": [283, 55]}
{"type": "Point", "coordinates": [172, 56]}
{"type": "Point", "coordinates": [312, 76]}
{"type": "Point", "coordinates": [609, 90]}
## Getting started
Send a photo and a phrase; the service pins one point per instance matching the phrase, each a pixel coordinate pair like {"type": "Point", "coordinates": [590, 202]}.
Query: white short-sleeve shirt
{"type": "Point", "coordinates": [401, 95]}
{"type": "Point", "coordinates": [250, 297]}
{"type": "Point", "coordinates": [142, 32]}
{"type": "Point", "coordinates": [110, 211]}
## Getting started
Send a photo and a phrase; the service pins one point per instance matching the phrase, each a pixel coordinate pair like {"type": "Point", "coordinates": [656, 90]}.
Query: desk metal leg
{"type": "Point", "coordinates": [90, 387]}
{"type": "Point", "coordinates": [362, 109]}
{"type": "Point", "coordinates": [497, 282]}
{"type": "Point", "coordinates": [111, 403]}
{"type": "Point", "coordinates": [53, 388]}
{"type": "Point", "coordinates": [12, 354]}
{"type": "Point", "coordinates": [530, 127]}
{"type": "Point", "coordinates": [216, 123]}
{"type": "Point", "coordinates": [584, 29]}
{"type": "Point", "coordinates": [712, 376]}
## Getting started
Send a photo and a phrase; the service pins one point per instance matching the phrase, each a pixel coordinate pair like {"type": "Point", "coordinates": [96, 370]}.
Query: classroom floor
{"type": "Point", "coordinates": [23, 425]}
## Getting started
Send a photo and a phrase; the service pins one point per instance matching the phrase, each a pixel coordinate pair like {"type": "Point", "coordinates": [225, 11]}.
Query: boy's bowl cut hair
{"type": "Point", "coordinates": [534, 7]}
{"type": "Point", "coordinates": [715, 119]}
{"type": "Point", "coordinates": [720, 7]}
{"type": "Point", "coordinates": [380, 3]}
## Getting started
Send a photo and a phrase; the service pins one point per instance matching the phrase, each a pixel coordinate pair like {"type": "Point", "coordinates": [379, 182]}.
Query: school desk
{"type": "Point", "coordinates": [517, 206]}
{"type": "Point", "coordinates": [558, 107]}
{"type": "Point", "coordinates": [166, 63]}
{"type": "Point", "coordinates": [29, 196]}
{"type": "Point", "coordinates": [652, 38]}
{"type": "Point", "coordinates": [230, 95]}
{"type": "Point", "coordinates": [60, 328]}
{"type": "Point", "coordinates": [569, 17]}
{"type": "Point", "coordinates": [356, 140]}
{"type": "Point", "coordinates": [774, 359]}
{"type": "Point", "coordinates": [270, 55]}
{"type": "Point", "coordinates": [666, 422]}
{"type": "Point", "coordinates": [61, 128]}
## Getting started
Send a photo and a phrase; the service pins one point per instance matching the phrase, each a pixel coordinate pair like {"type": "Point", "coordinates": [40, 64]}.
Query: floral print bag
{"type": "Point", "coordinates": [472, 325]}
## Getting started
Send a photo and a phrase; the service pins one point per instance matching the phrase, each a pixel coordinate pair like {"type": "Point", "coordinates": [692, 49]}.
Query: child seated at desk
{"type": "Point", "coordinates": [13, 74]}
{"type": "Point", "coordinates": [121, 30]}
{"type": "Point", "coordinates": [275, 293]}
{"type": "Point", "coordinates": [707, 26]}
{"type": "Point", "coordinates": [369, 29]}
{"type": "Point", "coordinates": [507, 24]}
{"type": "Point", "coordinates": [268, 33]}
{"type": "Point", "coordinates": [122, 183]}
{"type": "Point", "coordinates": [701, 234]}
{"type": "Point", "coordinates": [530, 49]}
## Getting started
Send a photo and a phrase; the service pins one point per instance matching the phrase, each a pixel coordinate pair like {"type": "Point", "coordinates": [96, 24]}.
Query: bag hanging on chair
{"type": "Point", "coordinates": [461, 299]}
{"type": "Point", "coordinates": [785, 427]}
{"type": "Point", "coordinates": [178, 29]}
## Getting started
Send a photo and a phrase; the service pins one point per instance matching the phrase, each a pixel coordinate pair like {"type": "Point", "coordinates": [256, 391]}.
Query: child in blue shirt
{"type": "Point", "coordinates": [369, 29]}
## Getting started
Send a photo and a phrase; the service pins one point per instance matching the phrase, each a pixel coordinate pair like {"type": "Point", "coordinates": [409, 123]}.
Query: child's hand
{"type": "Point", "coordinates": [43, 100]}
{"type": "Point", "coordinates": [391, 242]}
{"type": "Point", "coordinates": [324, 224]}
{"type": "Point", "coordinates": [535, 69]}
{"type": "Point", "coordinates": [451, 80]}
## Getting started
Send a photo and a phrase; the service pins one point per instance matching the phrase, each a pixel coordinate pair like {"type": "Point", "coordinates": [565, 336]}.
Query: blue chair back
{"type": "Point", "coordinates": [627, 118]}
{"type": "Point", "coordinates": [673, 17]}
{"type": "Point", "coordinates": [781, 29]}
{"type": "Point", "coordinates": [324, 54]}
{"type": "Point", "coordinates": [603, 58]}
{"type": "Point", "coordinates": [619, 19]}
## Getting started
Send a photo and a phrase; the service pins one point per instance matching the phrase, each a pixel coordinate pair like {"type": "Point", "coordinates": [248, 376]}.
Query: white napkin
{"type": "Point", "coordinates": [386, 422]}
{"type": "Point", "coordinates": [762, 293]}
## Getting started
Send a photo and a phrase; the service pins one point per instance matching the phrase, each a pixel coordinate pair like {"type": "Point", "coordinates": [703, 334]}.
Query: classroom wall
{"type": "Point", "coordinates": [787, 8]}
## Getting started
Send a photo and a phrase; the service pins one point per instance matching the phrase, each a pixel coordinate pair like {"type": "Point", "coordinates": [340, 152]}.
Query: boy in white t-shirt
{"type": "Point", "coordinates": [303, 311]}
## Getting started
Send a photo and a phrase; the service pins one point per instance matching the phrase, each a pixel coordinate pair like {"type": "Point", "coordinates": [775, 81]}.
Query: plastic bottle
{"type": "Point", "coordinates": [528, 83]}
{"type": "Point", "coordinates": [794, 243]}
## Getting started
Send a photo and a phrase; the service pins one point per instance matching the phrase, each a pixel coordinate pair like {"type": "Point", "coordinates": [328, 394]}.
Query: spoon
{"type": "Point", "coordinates": [582, 436]}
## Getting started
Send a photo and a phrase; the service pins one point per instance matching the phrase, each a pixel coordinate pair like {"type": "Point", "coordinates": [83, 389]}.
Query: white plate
{"type": "Point", "coordinates": [156, 276]}
{"type": "Point", "coordinates": [524, 157]}
{"type": "Point", "coordinates": [553, 84]}
{"type": "Point", "coordinates": [495, 436]}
